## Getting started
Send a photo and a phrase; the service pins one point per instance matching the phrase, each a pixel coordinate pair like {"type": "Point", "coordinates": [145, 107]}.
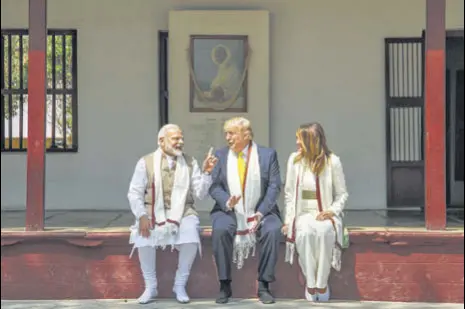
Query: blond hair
{"type": "Point", "coordinates": [239, 122]}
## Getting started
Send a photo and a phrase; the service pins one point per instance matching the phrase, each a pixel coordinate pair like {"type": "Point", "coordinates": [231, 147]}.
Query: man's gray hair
{"type": "Point", "coordinates": [165, 129]}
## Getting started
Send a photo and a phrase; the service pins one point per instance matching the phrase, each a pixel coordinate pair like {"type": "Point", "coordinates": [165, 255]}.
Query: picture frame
{"type": "Point", "coordinates": [218, 71]}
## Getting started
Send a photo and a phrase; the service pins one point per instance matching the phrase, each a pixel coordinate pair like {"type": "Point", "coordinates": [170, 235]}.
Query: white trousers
{"type": "Point", "coordinates": [187, 243]}
{"type": "Point", "coordinates": [148, 259]}
{"type": "Point", "coordinates": [314, 245]}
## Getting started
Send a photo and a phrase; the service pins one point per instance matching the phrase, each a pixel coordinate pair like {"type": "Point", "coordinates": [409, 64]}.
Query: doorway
{"type": "Point", "coordinates": [455, 119]}
{"type": "Point", "coordinates": [163, 78]}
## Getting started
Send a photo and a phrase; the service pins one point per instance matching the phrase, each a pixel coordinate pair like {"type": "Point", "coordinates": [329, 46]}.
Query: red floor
{"type": "Point", "coordinates": [379, 266]}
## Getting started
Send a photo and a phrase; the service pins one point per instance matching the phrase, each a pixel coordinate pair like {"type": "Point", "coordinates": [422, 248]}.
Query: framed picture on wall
{"type": "Point", "coordinates": [218, 66]}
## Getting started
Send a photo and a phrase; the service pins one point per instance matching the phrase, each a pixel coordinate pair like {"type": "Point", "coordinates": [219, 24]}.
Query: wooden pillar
{"type": "Point", "coordinates": [435, 118]}
{"type": "Point", "coordinates": [35, 200]}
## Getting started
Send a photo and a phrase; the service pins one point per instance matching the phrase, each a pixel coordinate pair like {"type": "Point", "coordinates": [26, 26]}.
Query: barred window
{"type": "Point", "coordinates": [61, 103]}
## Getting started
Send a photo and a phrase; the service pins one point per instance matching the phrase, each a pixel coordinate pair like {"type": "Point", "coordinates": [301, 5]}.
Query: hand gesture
{"type": "Point", "coordinates": [325, 215]}
{"type": "Point", "coordinates": [232, 202]}
{"type": "Point", "coordinates": [256, 223]}
{"type": "Point", "coordinates": [284, 229]}
{"type": "Point", "coordinates": [145, 226]}
{"type": "Point", "coordinates": [209, 162]}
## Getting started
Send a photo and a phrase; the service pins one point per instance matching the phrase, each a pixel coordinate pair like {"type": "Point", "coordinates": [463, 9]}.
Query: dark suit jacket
{"type": "Point", "coordinates": [270, 181]}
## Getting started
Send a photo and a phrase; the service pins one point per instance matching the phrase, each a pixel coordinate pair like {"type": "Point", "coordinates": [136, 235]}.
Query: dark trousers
{"type": "Point", "coordinates": [268, 239]}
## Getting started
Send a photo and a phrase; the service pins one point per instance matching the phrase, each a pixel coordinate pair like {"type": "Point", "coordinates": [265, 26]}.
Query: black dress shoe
{"type": "Point", "coordinates": [225, 292]}
{"type": "Point", "coordinates": [264, 293]}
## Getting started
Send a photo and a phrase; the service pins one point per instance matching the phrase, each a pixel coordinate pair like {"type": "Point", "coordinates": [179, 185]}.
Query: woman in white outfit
{"type": "Point", "coordinates": [315, 195]}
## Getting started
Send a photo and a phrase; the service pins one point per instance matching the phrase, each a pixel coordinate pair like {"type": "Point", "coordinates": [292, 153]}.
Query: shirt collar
{"type": "Point", "coordinates": [245, 151]}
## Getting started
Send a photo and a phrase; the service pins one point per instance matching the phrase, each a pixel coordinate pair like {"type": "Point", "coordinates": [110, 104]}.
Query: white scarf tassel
{"type": "Point", "coordinates": [290, 251]}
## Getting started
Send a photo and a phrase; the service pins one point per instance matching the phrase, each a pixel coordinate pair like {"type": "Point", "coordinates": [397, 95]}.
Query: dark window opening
{"type": "Point", "coordinates": [459, 127]}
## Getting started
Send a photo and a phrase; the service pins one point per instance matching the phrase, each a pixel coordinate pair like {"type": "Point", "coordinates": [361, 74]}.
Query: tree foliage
{"type": "Point", "coordinates": [59, 76]}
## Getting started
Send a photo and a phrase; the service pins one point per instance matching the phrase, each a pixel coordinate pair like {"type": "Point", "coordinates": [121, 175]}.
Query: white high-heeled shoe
{"type": "Point", "coordinates": [325, 296]}
{"type": "Point", "coordinates": [311, 297]}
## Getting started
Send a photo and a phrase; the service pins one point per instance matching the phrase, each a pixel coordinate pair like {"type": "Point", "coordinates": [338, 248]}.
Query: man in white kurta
{"type": "Point", "coordinates": [161, 195]}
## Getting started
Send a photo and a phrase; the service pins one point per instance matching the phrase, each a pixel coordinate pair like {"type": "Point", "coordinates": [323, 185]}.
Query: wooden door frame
{"type": "Point", "coordinates": [455, 33]}
{"type": "Point", "coordinates": [396, 101]}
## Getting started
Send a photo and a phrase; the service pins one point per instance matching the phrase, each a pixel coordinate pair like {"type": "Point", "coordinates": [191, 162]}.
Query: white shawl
{"type": "Point", "coordinates": [333, 194]}
{"type": "Point", "coordinates": [245, 208]}
{"type": "Point", "coordinates": [166, 222]}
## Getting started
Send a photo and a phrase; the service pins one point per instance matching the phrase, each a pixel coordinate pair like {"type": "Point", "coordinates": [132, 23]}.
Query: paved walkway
{"type": "Point", "coordinates": [208, 304]}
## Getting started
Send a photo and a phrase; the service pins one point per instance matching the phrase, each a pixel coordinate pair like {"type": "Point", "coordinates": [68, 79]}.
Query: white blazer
{"type": "Point", "coordinates": [333, 193]}
{"type": "Point", "coordinates": [332, 187]}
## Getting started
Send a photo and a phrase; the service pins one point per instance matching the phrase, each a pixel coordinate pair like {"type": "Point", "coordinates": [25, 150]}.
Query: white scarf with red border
{"type": "Point", "coordinates": [167, 221]}
{"type": "Point", "coordinates": [245, 240]}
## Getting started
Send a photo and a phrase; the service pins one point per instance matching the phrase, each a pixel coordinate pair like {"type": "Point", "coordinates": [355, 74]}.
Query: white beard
{"type": "Point", "coordinates": [175, 152]}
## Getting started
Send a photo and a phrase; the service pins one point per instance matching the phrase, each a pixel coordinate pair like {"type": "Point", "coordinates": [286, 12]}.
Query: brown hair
{"type": "Point", "coordinates": [315, 151]}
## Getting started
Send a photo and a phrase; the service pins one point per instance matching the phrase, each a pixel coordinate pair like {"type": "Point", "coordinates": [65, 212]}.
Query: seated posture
{"type": "Point", "coordinates": [246, 186]}
{"type": "Point", "coordinates": [315, 195]}
{"type": "Point", "coordinates": [161, 195]}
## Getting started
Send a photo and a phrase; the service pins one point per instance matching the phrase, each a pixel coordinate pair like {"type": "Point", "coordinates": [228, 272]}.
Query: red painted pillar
{"type": "Point", "coordinates": [35, 200]}
{"type": "Point", "coordinates": [435, 118]}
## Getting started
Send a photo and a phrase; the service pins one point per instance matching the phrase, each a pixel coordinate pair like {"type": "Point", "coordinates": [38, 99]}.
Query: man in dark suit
{"type": "Point", "coordinates": [246, 187]}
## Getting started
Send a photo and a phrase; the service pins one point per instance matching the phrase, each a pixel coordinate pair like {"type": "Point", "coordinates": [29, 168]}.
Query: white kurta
{"type": "Point", "coordinates": [189, 226]}
{"type": "Point", "coordinates": [314, 240]}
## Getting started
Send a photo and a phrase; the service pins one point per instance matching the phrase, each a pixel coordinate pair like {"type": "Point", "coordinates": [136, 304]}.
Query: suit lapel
{"type": "Point", "coordinates": [263, 166]}
{"type": "Point", "coordinates": [326, 186]}
{"type": "Point", "coordinates": [261, 162]}
{"type": "Point", "coordinates": [224, 169]}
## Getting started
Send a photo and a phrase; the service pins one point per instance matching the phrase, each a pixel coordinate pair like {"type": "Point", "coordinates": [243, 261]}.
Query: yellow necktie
{"type": "Point", "coordinates": [241, 167]}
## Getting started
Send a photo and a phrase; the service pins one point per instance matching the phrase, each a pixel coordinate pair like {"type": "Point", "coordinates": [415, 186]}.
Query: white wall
{"type": "Point", "coordinates": [326, 63]}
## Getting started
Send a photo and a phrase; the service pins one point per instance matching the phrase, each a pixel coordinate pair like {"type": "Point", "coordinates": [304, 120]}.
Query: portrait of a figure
{"type": "Point", "coordinates": [218, 73]}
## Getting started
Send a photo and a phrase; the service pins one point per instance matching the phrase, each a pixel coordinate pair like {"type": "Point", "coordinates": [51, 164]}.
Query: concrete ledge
{"type": "Point", "coordinates": [379, 266]}
{"type": "Point", "coordinates": [120, 220]}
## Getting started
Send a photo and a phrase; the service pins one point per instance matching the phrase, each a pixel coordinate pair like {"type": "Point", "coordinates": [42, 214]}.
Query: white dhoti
{"type": "Point", "coordinates": [189, 229]}
{"type": "Point", "coordinates": [187, 243]}
{"type": "Point", "coordinates": [314, 244]}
